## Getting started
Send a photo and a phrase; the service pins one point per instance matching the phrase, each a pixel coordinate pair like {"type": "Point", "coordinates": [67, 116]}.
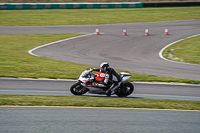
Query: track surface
{"type": "Point", "coordinates": [135, 52]}
{"type": "Point", "coordinates": [61, 88]}
{"type": "Point", "coordinates": [91, 120]}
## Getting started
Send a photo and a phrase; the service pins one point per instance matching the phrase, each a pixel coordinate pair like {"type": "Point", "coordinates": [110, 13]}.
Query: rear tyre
{"type": "Point", "coordinates": [125, 89]}
{"type": "Point", "coordinates": [78, 89]}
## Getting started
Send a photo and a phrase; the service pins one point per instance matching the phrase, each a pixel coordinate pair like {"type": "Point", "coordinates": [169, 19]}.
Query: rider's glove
{"type": "Point", "coordinates": [91, 69]}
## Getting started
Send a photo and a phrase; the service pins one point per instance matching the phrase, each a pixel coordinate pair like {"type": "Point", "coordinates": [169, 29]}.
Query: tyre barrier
{"type": "Point", "coordinates": [15, 6]}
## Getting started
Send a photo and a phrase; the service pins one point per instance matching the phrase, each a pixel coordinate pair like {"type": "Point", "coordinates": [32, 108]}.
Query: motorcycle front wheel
{"type": "Point", "coordinates": [78, 89]}
{"type": "Point", "coordinates": [125, 89]}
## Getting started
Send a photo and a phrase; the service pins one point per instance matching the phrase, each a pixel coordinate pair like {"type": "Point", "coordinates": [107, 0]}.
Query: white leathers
{"type": "Point", "coordinates": [107, 77]}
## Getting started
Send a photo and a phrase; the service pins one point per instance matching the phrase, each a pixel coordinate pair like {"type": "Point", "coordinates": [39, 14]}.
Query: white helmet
{"type": "Point", "coordinates": [104, 66]}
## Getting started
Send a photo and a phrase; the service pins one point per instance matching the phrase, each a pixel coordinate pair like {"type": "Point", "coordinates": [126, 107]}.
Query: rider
{"type": "Point", "coordinates": [111, 76]}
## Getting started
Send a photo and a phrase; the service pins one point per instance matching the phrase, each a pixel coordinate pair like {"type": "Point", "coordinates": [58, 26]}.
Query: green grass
{"type": "Point", "coordinates": [95, 16]}
{"type": "Point", "coordinates": [81, 101]}
{"type": "Point", "coordinates": [16, 62]}
{"type": "Point", "coordinates": [187, 51]}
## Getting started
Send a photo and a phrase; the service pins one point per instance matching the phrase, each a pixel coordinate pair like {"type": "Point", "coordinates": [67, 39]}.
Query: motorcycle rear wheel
{"type": "Point", "coordinates": [78, 89]}
{"type": "Point", "coordinates": [125, 89]}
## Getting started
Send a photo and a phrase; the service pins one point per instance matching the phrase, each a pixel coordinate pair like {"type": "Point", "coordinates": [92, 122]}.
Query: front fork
{"type": "Point", "coordinates": [81, 83]}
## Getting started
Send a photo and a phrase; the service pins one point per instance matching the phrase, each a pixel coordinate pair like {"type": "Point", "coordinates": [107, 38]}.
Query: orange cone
{"type": "Point", "coordinates": [146, 31]}
{"type": "Point", "coordinates": [97, 31]}
{"type": "Point", "coordinates": [124, 32]}
{"type": "Point", "coordinates": [166, 31]}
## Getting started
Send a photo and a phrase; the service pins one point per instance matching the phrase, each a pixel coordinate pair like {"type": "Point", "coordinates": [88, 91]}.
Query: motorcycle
{"type": "Point", "coordinates": [88, 81]}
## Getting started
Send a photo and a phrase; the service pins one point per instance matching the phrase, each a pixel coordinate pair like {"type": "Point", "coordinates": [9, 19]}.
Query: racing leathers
{"type": "Point", "coordinates": [111, 76]}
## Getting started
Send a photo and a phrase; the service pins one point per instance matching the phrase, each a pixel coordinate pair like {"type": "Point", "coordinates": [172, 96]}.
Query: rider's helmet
{"type": "Point", "coordinates": [104, 66]}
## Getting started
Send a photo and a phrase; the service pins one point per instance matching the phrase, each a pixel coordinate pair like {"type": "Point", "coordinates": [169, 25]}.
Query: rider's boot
{"type": "Point", "coordinates": [111, 90]}
{"type": "Point", "coordinates": [108, 92]}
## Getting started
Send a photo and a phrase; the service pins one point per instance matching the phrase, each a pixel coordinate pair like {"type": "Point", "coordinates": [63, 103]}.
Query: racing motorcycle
{"type": "Point", "coordinates": [87, 83]}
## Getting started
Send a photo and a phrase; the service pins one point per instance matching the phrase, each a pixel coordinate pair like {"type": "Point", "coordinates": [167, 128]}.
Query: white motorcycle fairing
{"type": "Point", "coordinates": [88, 81]}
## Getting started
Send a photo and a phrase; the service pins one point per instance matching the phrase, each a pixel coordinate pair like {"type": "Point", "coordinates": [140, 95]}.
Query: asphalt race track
{"type": "Point", "coordinates": [100, 120]}
{"type": "Point", "coordinates": [134, 52]}
{"type": "Point", "coordinates": [96, 120]}
{"type": "Point", "coordinates": [61, 88]}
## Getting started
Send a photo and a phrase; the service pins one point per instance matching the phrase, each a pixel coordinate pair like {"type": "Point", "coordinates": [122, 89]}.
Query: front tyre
{"type": "Point", "coordinates": [125, 89]}
{"type": "Point", "coordinates": [78, 89]}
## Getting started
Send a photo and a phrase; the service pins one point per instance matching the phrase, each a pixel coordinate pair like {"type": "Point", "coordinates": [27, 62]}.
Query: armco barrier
{"type": "Point", "coordinates": [171, 4]}
{"type": "Point", "coordinates": [15, 6]}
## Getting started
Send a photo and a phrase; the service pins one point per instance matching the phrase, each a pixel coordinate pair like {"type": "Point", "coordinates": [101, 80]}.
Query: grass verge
{"type": "Point", "coordinates": [81, 101]}
{"type": "Point", "coordinates": [16, 62]}
{"type": "Point", "coordinates": [187, 51]}
{"type": "Point", "coordinates": [96, 16]}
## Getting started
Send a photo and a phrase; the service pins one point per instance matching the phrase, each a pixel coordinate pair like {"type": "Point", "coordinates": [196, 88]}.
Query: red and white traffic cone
{"type": "Point", "coordinates": [124, 32]}
{"type": "Point", "coordinates": [166, 31]}
{"type": "Point", "coordinates": [146, 31]}
{"type": "Point", "coordinates": [97, 31]}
